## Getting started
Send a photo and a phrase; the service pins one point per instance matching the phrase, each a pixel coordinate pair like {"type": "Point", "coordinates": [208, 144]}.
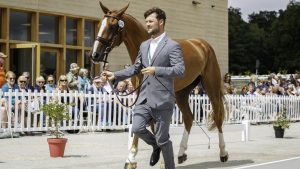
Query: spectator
{"type": "Point", "coordinates": [10, 82]}
{"type": "Point", "coordinates": [292, 79]}
{"type": "Point", "coordinates": [28, 85]}
{"type": "Point", "coordinates": [22, 83]}
{"type": "Point", "coordinates": [130, 87]}
{"type": "Point", "coordinates": [121, 87]}
{"type": "Point", "coordinates": [84, 81]}
{"type": "Point", "coordinates": [96, 88]}
{"type": "Point", "coordinates": [251, 89]}
{"type": "Point", "coordinates": [107, 86]}
{"type": "Point", "coordinates": [198, 90]}
{"type": "Point", "coordinates": [244, 90]}
{"type": "Point", "coordinates": [62, 84]}
{"type": "Point", "coordinates": [228, 87]}
{"type": "Point", "coordinates": [253, 80]}
{"type": "Point", "coordinates": [291, 90]}
{"type": "Point", "coordinates": [72, 77]}
{"type": "Point", "coordinates": [2, 69]}
{"type": "Point", "coordinates": [40, 84]}
{"type": "Point", "coordinates": [50, 86]}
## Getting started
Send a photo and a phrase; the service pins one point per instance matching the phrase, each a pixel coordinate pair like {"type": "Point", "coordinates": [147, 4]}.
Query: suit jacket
{"type": "Point", "coordinates": [168, 63]}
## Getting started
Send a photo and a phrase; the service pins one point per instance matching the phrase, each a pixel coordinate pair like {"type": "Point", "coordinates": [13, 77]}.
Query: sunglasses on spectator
{"type": "Point", "coordinates": [63, 80]}
{"type": "Point", "coordinates": [50, 81]}
{"type": "Point", "coordinates": [22, 81]}
{"type": "Point", "coordinates": [41, 82]}
{"type": "Point", "coordinates": [12, 78]}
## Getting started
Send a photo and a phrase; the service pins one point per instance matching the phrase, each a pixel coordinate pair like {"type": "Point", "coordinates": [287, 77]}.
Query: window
{"type": "Point", "coordinates": [20, 26]}
{"type": "Point", "coordinates": [71, 31]}
{"type": "Point", "coordinates": [48, 63]}
{"type": "Point", "coordinates": [89, 33]}
{"type": "Point", "coordinates": [71, 57]}
{"type": "Point", "coordinates": [48, 29]}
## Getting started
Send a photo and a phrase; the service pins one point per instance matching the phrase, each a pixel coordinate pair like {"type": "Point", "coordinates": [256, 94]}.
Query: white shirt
{"type": "Point", "coordinates": [154, 43]}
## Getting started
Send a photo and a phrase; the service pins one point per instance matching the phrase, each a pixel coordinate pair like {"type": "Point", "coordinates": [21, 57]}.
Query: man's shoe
{"type": "Point", "coordinates": [155, 156]}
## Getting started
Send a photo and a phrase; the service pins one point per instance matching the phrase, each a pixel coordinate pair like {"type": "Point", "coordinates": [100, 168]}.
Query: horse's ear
{"type": "Point", "coordinates": [121, 11]}
{"type": "Point", "coordinates": [104, 8]}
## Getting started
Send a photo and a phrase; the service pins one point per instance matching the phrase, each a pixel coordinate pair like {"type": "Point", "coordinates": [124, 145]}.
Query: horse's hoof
{"type": "Point", "coordinates": [130, 166]}
{"type": "Point", "coordinates": [224, 158]}
{"type": "Point", "coordinates": [182, 158]}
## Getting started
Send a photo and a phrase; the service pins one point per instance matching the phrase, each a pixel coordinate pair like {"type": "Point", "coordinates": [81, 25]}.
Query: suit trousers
{"type": "Point", "coordinates": [142, 114]}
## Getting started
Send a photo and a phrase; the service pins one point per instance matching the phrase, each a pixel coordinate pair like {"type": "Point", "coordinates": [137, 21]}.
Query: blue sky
{"type": "Point", "coordinates": [249, 6]}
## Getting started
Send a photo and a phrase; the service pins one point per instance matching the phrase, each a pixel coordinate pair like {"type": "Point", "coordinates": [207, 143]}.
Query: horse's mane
{"type": "Point", "coordinates": [134, 34]}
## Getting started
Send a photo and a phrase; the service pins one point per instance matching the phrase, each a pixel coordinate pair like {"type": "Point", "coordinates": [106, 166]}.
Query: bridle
{"type": "Point", "coordinates": [107, 42]}
{"type": "Point", "coordinates": [108, 47]}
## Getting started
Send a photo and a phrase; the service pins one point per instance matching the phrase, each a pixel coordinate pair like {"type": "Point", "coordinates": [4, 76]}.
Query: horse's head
{"type": "Point", "coordinates": [109, 34]}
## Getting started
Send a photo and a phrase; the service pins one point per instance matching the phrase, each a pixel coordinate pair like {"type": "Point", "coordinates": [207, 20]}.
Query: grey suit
{"type": "Point", "coordinates": [157, 98]}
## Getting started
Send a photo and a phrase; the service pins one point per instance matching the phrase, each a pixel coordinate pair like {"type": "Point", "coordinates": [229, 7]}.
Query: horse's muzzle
{"type": "Point", "coordinates": [96, 57]}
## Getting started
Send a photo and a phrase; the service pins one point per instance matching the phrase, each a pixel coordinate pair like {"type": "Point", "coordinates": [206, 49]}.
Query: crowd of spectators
{"type": "Point", "coordinates": [77, 79]}
{"type": "Point", "coordinates": [274, 84]}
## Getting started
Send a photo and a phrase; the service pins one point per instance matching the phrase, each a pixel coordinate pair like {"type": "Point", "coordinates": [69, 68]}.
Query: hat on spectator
{"type": "Point", "coordinates": [2, 55]}
{"type": "Point", "coordinates": [74, 66]}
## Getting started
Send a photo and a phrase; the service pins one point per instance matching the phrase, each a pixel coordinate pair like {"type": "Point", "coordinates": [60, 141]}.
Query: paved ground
{"type": "Point", "coordinates": [108, 150]}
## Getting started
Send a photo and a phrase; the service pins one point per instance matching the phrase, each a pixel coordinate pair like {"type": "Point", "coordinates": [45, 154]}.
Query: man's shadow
{"type": "Point", "coordinates": [216, 164]}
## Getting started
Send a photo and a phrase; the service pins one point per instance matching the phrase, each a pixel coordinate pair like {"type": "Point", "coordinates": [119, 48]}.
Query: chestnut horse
{"type": "Point", "coordinates": [200, 62]}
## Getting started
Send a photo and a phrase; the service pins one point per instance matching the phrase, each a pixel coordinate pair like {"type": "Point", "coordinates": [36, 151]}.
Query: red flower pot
{"type": "Point", "coordinates": [57, 146]}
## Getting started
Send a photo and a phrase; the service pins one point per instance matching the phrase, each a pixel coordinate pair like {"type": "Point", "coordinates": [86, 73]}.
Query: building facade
{"type": "Point", "coordinates": [45, 36]}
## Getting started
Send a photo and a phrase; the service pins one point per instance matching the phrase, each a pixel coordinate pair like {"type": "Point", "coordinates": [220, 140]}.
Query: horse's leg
{"type": "Point", "coordinates": [213, 86]}
{"type": "Point", "coordinates": [182, 100]}
{"type": "Point", "coordinates": [130, 162]}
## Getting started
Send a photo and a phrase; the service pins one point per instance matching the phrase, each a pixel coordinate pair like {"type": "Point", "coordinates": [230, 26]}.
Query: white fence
{"type": "Point", "coordinates": [102, 111]}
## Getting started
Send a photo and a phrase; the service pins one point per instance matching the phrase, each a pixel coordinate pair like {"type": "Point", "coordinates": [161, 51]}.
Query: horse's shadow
{"type": "Point", "coordinates": [216, 164]}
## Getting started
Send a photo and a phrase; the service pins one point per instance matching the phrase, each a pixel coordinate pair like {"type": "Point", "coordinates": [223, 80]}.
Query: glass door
{"type": "Point", "coordinates": [23, 58]}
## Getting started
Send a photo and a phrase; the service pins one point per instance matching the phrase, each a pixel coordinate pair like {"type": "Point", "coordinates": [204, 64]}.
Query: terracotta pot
{"type": "Point", "coordinates": [279, 132]}
{"type": "Point", "coordinates": [57, 146]}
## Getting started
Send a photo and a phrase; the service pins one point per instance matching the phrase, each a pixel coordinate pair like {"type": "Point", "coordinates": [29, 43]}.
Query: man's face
{"type": "Point", "coordinates": [152, 24]}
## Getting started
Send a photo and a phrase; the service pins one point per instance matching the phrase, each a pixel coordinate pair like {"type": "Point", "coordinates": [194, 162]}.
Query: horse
{"type": "Point", "coordinates": [200, 63]}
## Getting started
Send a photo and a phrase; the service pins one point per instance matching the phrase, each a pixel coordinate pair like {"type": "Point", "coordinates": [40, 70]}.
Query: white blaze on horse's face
{"type": "Point", "coordinates": [96, 43]}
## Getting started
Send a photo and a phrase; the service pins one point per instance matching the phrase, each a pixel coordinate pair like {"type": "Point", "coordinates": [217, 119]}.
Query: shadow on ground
{"type": "Point", "coordinates": [75, 156]}
{"type": "Point", "coordinates": [216, 164]}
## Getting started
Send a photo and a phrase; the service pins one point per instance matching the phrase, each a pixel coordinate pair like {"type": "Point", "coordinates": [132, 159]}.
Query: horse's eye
{"type": "Point", "coordinates": [112, 28]}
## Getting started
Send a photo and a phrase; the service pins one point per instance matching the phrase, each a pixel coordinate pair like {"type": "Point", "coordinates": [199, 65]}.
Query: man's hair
{"type": "Point", "coordinates": [160, 13]}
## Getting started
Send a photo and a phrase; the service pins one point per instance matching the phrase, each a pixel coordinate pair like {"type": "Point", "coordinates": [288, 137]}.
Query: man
{"type": "Point", "coordinates": [96, 88]}
{"type": "Point", "coordinates": [72, 76]}
{"type": "Point", "coordinates": [160, 61]}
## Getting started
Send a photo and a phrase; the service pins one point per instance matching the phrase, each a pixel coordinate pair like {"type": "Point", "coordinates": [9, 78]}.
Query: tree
{"type": "Point", "coordinates": [272, 37]}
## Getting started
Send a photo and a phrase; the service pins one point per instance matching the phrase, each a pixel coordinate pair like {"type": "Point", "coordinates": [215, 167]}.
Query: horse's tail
{"type": "Point", "coordinates": [214, 88]}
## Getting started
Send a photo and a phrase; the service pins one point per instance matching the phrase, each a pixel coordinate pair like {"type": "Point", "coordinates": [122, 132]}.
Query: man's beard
{"type": "Point", "coordinates": [154, 31]}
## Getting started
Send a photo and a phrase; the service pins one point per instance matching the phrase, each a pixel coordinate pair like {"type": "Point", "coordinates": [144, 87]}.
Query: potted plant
{"type": "Point", "coordinates": [57, 113]}
{"type": "Point", "coordinates": [281, 123]}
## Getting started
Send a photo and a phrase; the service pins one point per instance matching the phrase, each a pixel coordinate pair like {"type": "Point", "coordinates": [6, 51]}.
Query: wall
{"type": "Point", "coordinates": [208, 20]}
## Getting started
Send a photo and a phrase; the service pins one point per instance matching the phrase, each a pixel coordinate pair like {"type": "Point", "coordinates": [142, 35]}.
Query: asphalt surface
{"type": "Point", "coordinates": [108, 150]}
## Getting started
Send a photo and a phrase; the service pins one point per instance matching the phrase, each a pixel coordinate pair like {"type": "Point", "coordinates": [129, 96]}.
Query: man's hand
{"type": "Point", "coordinates": [148, 71]}
{"type": "Point", "coordinates": [108, 75]}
